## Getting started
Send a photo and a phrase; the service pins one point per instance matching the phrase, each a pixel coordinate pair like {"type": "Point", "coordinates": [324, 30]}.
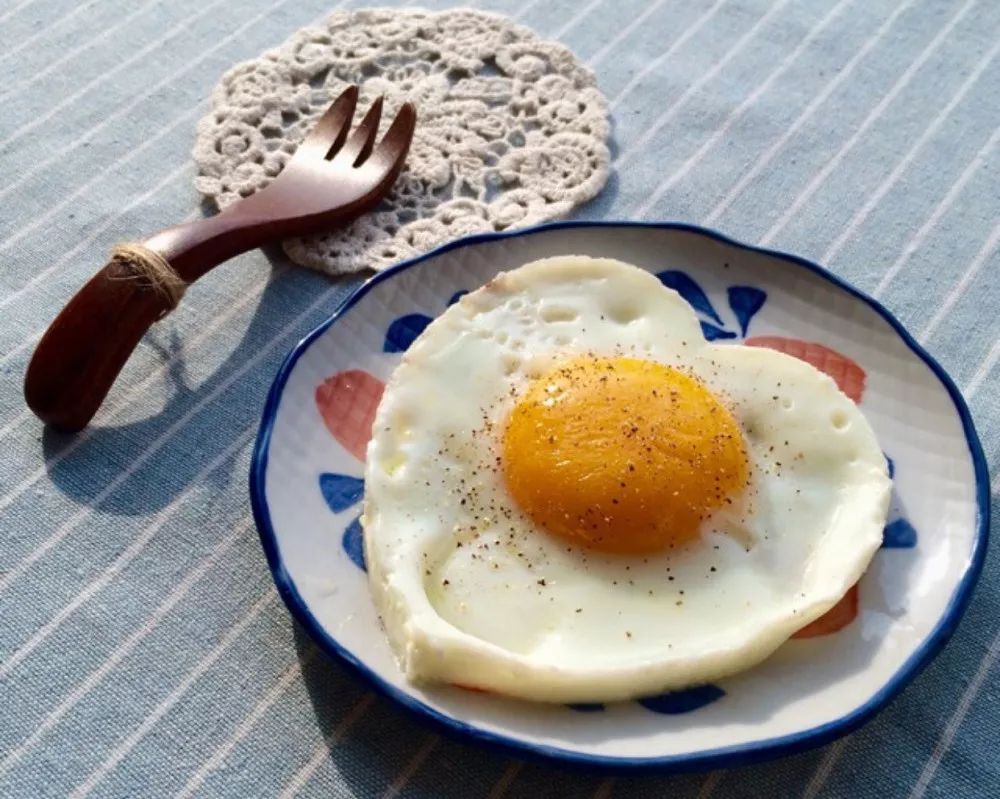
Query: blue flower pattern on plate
{"type": "Point", "coordinates": [684, 285]}
{"type": "Point", "coordinates": [898, 533]}
{"type": "Point", "coordinates": [341, 491]}
{"type": "Point", "coordinates": [672, 703]}
{"type": "Point", "coordinates": [676, 702]}
{"type": "Point", "coordinates": [403, 331]}
{"type": "Point", "coordinates": [354, 544]}
{"type": "Point", "coordinates": [744, 302]}
{"type": "Point", "coordinates": [713, 333]}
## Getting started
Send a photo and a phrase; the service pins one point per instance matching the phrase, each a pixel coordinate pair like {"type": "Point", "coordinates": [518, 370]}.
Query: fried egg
{"type": "Point", "coordinates": [571, 496]}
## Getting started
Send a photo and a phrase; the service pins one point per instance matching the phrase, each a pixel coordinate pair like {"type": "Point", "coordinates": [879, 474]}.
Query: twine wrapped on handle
{"type": "Point", "coordinates": [142, 263]}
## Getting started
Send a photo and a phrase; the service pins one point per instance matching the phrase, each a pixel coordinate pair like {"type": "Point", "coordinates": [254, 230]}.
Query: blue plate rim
{"type": "Point", "coordinates": [723, 757]}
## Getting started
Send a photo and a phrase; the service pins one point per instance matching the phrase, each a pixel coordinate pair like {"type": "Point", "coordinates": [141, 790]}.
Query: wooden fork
{"type": "Point", "coordinates": [332, 178]}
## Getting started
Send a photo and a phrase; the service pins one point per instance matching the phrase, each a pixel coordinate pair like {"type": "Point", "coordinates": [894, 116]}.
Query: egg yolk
{"type": "Point", "coordinates": [622, 455]}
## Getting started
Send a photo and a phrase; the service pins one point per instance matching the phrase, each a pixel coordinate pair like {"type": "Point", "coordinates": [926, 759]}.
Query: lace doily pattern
{"type": "Point", "coordinates": [511, 129]}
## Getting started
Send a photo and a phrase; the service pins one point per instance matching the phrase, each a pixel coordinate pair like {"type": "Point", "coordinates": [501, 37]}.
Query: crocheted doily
{"type": "Point", "coordinates": [511, 129]}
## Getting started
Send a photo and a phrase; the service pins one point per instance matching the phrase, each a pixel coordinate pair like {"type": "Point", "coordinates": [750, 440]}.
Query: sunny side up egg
{"type": "Point", "coordinates": [571, 496]}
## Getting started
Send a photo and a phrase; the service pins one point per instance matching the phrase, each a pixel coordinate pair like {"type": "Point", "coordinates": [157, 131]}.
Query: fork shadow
{"type": "Point", "coordinates": [197, 421]}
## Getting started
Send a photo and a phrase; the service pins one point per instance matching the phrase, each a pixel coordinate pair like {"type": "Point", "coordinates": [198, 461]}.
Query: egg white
{"type": "Point", "coordinates": [471, 592]}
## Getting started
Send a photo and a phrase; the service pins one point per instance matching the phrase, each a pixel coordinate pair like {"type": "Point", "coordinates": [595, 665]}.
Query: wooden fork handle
{"type": "Point", "coordinates": [84, 349]}
{"type": "Point", "coordinates": [80, 355]}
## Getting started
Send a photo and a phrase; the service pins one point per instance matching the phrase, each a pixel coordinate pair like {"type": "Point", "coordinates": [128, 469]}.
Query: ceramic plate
{"type": "Point", "coordinates": [306, 489]}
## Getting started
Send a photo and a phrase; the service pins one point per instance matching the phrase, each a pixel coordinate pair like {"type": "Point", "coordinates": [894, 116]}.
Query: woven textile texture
{"type": "Point", "coordinates": [143, 650]}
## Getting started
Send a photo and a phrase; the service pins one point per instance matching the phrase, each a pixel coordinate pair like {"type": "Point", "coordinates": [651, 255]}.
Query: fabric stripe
{"type": "Point", "coordinates": [667, 54]}
{"type": "Point", "coordinates": [524, 9]}
{"type": "Point", "coordinates": [46, 29]}
{"type": "Point", "coordinates": [129, 554]}
{"type": "Point", "coordinates": [92, 680]}
{"type": "Point", "coordinates": [118, 565]}
{"type": "Point", "coordinates": [931, 130]}
{"type": "Point", "coordinates": [624, 33]}
{"type": "Point", "coordinates": [20, 348]}
{"type": "Point", "coordinates": [136, 103]}
{"type": "Point", "coordinates": [988, 249]}
{"type": "Point", "coordinates": [510, 773]}
{"type": "Point", "coordinates": [828, 90]}
{"type": "Point", "coordinates": [52, 112]}
{"type": "Point", "coordinates": [826, 765]}
{"type": "Point", "coordinates": [130, 742]}
{"type": "Point", "coordinates": [411, 768]}
{"type": "Point", "coordinates": [16, 9]}
{"type": "Point", "coordinates": [322, 751]}
{"type": "Point", "coordinates": [576, 19]}
{"type": "Point", "coordinates": [741, 109]}
{"type": "Point", "coordinates": [984, 369]}
{"type": "Point", "coordinates": [948, 736]}
{"type": "Point", "coordinates": [245, 726]}
{"type": "Point", "coordinates": [709, 785]}
{"type": "Point", "coordinates": [901, 83]}
{"type": "Point", "coordinates": [695, 87]}
{"type": "Point", "coordinates": [85, 46]}
{"type": "Point", "coordinates": [939, 211]}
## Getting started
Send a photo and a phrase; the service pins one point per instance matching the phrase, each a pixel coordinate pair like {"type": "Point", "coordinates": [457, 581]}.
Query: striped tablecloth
{"type": "Point", "coordinates": [144, 651]}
